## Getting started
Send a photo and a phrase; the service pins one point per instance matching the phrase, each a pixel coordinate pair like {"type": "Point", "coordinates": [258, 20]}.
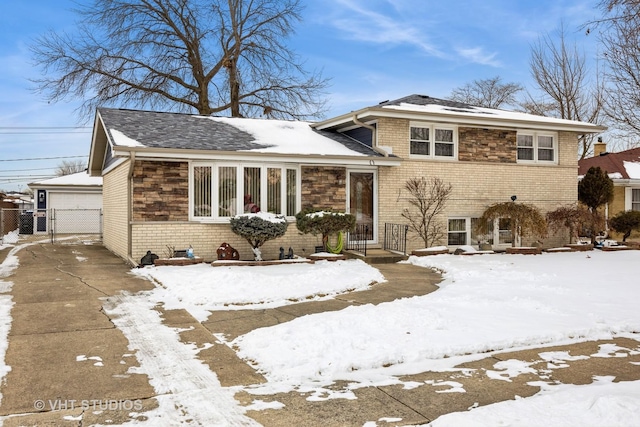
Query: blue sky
{"type": "Point", "coordinates": [372, 50]}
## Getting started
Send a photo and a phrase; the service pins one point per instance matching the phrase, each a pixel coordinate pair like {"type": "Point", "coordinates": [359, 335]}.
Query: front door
{"type": "Point", "coordinates": [362, 201]}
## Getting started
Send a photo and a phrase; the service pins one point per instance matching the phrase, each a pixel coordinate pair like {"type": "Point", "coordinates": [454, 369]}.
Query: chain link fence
{"type": "Point", "coordinates": [55, 222]}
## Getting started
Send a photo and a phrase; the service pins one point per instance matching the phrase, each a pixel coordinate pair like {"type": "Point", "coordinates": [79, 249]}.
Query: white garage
{"type": "Point", "coordinates": [68, 204]}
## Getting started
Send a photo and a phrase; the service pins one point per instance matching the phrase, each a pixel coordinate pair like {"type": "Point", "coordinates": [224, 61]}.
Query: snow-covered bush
{"type": "Point", "coordinates": [257, 228]}
{"type": "Point", "coordinates": [324, 222]}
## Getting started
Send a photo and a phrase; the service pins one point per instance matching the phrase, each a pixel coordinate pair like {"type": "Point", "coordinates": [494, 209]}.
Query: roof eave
{"type": "Point", "coordinates": [459, 119]}
{"type": "Point", "coordinates": [179, 154]}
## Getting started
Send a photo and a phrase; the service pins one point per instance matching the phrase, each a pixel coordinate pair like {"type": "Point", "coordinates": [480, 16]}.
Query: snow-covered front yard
{"type": "Point", "coordinates": [486, 303]}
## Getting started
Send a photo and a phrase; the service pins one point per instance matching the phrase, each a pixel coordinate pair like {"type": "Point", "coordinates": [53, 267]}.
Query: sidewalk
{"type": "Point", "coordinates": [69, 364]}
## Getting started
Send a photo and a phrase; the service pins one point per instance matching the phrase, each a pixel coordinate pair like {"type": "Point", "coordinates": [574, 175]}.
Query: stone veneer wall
{"type": "Point", "coordinates": [324, 187]}
{"type": "Point", "coordinates": [160, 191]}
{"type": "Point", "coordinates": [486, 145]}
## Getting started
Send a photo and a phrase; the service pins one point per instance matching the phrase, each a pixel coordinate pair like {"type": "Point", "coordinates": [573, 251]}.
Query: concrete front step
{"type": "Point", "coordinates": [376, 256]}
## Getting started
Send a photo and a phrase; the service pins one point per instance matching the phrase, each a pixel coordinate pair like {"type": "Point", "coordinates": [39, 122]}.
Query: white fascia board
{"type": "Point", "coordinates": [71, 189]}
{"type": "Point", "coordinates": [626, 182]}
{"type": "Point", "coordinates": [460, 120]}
{"type": "Point", "coordinates": [240, 156]}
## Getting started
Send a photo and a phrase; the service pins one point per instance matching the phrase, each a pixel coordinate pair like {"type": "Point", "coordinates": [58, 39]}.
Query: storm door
{"type": "Point", "coordinates": [362, 202]}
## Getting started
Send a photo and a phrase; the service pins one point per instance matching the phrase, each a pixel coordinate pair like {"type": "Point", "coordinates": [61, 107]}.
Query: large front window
{"type": "Point", "coordinates": [225, 190]}
{"type": "Point", "coordinates": [432, 141]}
{"type": "Point", "coordinates": [536, 147]}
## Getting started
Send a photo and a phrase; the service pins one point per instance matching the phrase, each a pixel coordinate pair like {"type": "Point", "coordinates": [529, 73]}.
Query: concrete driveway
{"type": "Point", "coordinates": [69, 364]}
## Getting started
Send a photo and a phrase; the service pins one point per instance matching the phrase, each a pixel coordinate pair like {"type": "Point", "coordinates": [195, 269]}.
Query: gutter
{"type": "Point", "coordinates": [132, 156]}
{"type": "Point", "coordinates": [374, 139]}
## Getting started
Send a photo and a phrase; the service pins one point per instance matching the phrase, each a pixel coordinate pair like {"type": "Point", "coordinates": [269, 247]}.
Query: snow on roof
{"type": "Point", "coordinates": [120, 138]}
{"type": "Point", "coordinates": [287, 137]}
{"type": "Point", "coordinates": [80, 179]}
{"type": "Point", "coordinates": [633, 169]}
{"type": "Point", "coordinates": [482, 112]}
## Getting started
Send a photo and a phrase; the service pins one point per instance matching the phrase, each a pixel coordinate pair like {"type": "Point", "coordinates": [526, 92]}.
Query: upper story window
{"type": "Point", "coordinates": [433, 141]}
{"type": "Point", "coordinates": [537, 147]}
{"type": "Point", "coordinates": [225, 190]}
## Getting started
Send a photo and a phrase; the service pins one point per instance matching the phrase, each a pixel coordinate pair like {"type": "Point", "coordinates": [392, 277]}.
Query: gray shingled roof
{"type": "Point", "coordinates": [187, 131]}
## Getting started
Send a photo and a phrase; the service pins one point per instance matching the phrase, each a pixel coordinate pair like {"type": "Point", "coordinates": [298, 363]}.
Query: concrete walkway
{"type": "Point", "coordinates": [64, 350]}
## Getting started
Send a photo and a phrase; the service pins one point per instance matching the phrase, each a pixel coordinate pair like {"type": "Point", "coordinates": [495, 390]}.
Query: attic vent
{"type": "Point", "coordinates": [383, 102]}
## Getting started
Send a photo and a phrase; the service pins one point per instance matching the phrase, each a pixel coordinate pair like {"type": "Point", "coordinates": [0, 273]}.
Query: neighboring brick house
{"type": "Point", "coordinates": [175, 179]}
{"type": "Point", "coordinates": [624, 170]}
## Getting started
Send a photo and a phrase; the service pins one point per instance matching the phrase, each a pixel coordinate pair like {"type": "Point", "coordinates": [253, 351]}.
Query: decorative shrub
{"type": "Point", "coordinates": [525, 219]}
{"type": "Point", "coordinates": [625, 223]}
{"type": "Point", "coordinates": [324, 222]}
{"type": "Point", "coordinates": [258, 228]}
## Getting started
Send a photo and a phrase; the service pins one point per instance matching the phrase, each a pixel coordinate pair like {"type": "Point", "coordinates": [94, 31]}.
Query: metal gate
{"type": "Point", "coordinates": [57, 223]}
{"type": "Point", "coordinates": [68, 222]}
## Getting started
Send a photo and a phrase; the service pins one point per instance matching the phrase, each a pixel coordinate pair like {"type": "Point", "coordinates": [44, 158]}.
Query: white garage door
{"type": "Point", "coordinates": [69, 200]}
{"type": "Point", "coordinates": [76, 212]}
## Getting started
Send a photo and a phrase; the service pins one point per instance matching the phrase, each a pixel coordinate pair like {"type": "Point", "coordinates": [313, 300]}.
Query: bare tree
{"type": "Point", "coordinates": [489, 93]}
{"type": "Point", "coordinates": [573, 218]}
{"type": "Point", "coordinates": [67, 167]}
{"type": "Point", "coordinates": [429, 198]}
{"type": "Point", "coordinates": [620, 36]}
{"type": "Point", "coordinates": [210, 56]}
{"type": "Point", "coordinates": [561, 74]}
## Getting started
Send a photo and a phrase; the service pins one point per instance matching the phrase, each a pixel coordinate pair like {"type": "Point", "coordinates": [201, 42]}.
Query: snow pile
{"type": "Point", "coordinates": [9, 239]}
{"type": "Point", "coordinates": [265, 216]}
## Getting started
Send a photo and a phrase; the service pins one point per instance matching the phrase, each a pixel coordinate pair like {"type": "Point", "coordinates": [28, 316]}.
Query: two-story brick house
{"type": "Point", "coordinates": [176, 179]}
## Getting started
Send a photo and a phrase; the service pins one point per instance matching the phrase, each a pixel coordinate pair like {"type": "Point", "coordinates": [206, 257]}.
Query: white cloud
{"type": "Point", "coordinates": [479, 56]}
{"type": "Point", "coordinates": [363, 24]}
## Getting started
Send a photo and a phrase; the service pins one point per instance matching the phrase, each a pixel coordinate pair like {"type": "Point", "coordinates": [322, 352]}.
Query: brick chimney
{"type": "Point", "coordinates": [599, 147]}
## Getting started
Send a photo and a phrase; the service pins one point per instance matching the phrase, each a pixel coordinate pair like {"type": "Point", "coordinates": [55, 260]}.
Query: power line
{"type": "Point", "coordinates": [44, 127]}
{"type": "Point", "coordinates": [28, 170]}
{"type": "Point", "coordinates": [44, 133]}
{"type": "Point", "coordinates": [41, 158]}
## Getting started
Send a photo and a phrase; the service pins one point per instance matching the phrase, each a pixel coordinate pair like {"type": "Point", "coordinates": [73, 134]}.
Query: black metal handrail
{"type": "Point", "coordinates": [395, 237]}
{"type": "Point", "coordinates": [357, 239]}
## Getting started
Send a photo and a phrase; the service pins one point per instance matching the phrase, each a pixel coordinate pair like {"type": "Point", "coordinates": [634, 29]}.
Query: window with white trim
{"type": "Point", "coordinates": [462, 231]}
{"type": "Point", "coordinates": [434, 141]}
{"type": "Point", "coordinates": [222, 190]}
{"type": "Point", "coordinates": [537, 147]}
{"type": "Point", "coordinates": [635, 199]}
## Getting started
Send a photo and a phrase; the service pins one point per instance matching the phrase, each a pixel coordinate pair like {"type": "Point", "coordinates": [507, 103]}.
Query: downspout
{"type": "Point", "coordinates": [132, 157]}
{"type": "Point", "coordinates": [374, 139]}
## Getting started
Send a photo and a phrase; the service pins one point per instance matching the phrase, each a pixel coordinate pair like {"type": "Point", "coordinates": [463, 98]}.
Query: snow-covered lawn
{"type": "Point", "coordinates": [487, 303]}
{"type": "Point", "coordinates": [201, 288]}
